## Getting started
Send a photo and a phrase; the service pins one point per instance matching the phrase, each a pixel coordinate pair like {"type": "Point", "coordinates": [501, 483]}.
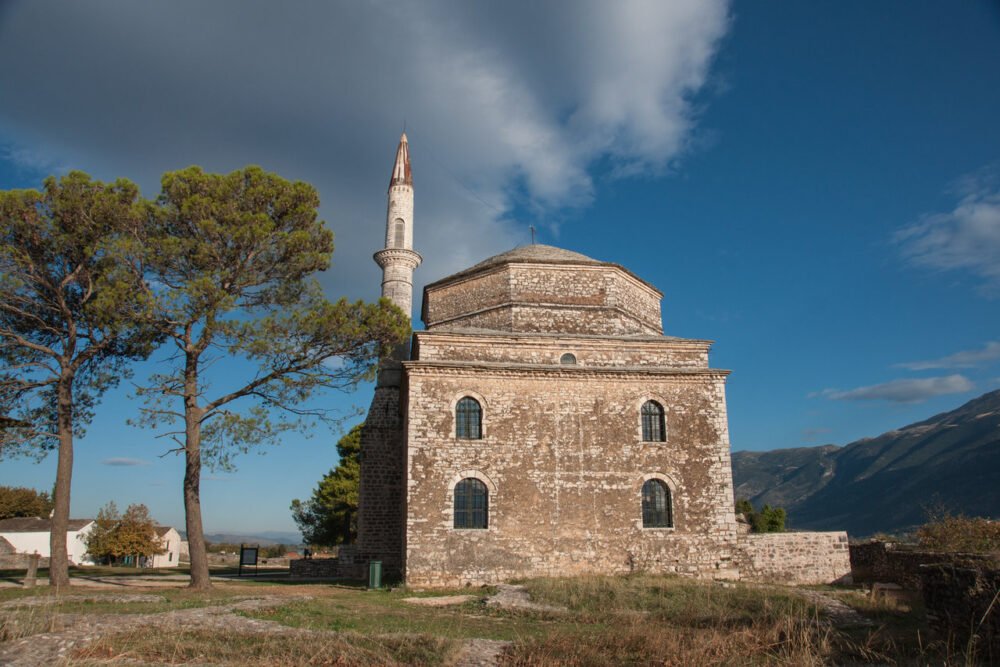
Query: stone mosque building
{"type": "Point", "coordinates": [542, 424]}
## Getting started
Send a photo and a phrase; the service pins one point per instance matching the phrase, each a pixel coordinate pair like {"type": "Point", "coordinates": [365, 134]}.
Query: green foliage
{"type": "Point", "coordinates": [330, 516]}
{"type": "Point", "coordinates": [958, 533]}
{"type": "Point", "coordinates": [19, 501]}
{"type": "Point", "coordinates": [69, 305]}
{"type": "Point", "coordinates": [72, 315]}
{"type": "Point", "coordinates": [115, 536]}
{"type": "Point", "coordinates": [767, 520]}
{"type": "Point", "coordinates": [231, 260]}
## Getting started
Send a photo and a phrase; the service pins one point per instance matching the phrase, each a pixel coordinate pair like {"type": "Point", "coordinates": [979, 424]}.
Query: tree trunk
{"type": "Point", "coordinates": [200, 579]}
{"type": "Point", "coordinates": [58, 558]}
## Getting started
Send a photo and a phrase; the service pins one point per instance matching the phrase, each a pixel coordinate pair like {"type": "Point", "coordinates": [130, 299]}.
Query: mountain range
{"type": "Point", "coordinates": [888, 483]}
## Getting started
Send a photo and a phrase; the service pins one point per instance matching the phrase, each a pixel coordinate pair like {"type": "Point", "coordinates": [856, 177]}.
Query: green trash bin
{"type": "Point", "coordinates": [375, 574]}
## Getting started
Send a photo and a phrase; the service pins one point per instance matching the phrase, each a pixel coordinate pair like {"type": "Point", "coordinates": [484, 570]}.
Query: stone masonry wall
{"type": "Point", "coordinates": [794, 558]}
{"type": "Point", "coordinates": [16, 561]}
{"type": "Point", "coordinates": [590, 352]}
{"type": "Point", "coordinates": [961, 604]}
{"type": "Point", "coordinates": [602, 300]}
{"type": "Point", "coordinates": [381, 505]}
{"type": "Point", "coordinates": [563, 458]}
{"type": "Point", "coordinates": [314, 568]}
{"type": "Point", "coordinates": [889, 562]}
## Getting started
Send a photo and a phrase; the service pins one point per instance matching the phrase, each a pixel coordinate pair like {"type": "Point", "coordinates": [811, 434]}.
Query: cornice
{"type": "Point", "coordinates": [504, 369]}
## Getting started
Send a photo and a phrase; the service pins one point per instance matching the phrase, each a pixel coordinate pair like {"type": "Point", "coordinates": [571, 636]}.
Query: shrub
{"type": "Point", "coordinates": [960, 533]}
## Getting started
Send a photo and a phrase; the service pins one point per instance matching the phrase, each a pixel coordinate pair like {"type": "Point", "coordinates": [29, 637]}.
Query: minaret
{"type": "Point", "coordinates": [398, 259]}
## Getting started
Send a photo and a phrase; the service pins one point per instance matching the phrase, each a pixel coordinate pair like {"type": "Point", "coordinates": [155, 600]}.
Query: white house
{"type": "Point", "coordinates": [30, 535]}
{"type": "Point", "coordinates": [170, 539]}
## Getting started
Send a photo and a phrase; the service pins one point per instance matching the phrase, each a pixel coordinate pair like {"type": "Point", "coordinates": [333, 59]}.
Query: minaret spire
{"type": "Point", "coordinates": [397, 258]}
{"type": "Point", "coordinates": [401, 172]}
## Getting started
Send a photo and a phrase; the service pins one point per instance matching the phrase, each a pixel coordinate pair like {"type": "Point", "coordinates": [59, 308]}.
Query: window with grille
{"type": "Point", "coordinates": [468, 419]}
{"type": "Point", "coordinates": [656, 511]}
{"type": "Point", "coordinates": [653, 425]}
{"type": "Point", "coordinates": [568, 359]}
{"type": "Point", "coordinates": [471, 504]}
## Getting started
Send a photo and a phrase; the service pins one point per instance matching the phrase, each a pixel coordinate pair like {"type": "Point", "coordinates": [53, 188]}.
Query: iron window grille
{"type": "Point", "coordinates": [468, 419]}
{"type": "Point", "coordinates": [471, 504]}
{"type": "Point", "coordinates": [656, 510]}
{"type": "Point", "coordinates": [654, 428]}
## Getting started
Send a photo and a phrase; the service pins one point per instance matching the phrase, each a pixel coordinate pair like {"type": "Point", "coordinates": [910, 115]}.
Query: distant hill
{"type": "Point", "coordinates": [884, 484]}
{"type": "Point", "coordinates": [264, 538]}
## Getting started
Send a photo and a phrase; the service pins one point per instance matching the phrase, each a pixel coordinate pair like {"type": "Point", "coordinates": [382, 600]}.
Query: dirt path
{"type": "Point", "coordinates": [838, 613]}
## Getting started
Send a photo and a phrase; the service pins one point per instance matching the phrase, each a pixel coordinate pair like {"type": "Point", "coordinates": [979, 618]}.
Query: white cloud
{"type": "Point", "coordinates": [963, 359]}
{"type": "Point", "coordinates": [505, 103]}
{"type": "Point", "coordinates": [122, 461]}
{"type": "Point", "coordinates": [903, 391]}
{"type": "Point", "coordinates": [967, 238]}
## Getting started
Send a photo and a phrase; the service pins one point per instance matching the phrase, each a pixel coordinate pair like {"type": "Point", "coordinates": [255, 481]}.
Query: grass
{"type": "Point", "coordinates": [385, 613]}
{"type": "Point", "coordinates": [242, 648]}
{"type": "Point", "coordinates": [632, 620]}
{"type": "Point", "coordinates": [101, 571]}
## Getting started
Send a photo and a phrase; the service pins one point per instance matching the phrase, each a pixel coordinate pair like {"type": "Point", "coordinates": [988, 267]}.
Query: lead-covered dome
{"type": "Point", "coordinates": [543, 289]}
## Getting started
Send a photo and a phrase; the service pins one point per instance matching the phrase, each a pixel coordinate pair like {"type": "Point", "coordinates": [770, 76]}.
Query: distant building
{"type": "Point", "coordinates": [171, 540]}
{"type": "Point", "coordinates": [30, 535]}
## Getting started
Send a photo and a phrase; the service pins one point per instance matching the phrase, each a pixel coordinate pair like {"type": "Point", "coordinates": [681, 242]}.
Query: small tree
{"type": "Point", "coordinates": [136, 534]}
{"type": "Point", "coordinates": [68, 314]}
{"type": "Point", "coordinates": [115, 536]}
{"type": "Point", "coordinates": [100, 540]}
{"type": "Point", "coordinates": [17, 501]}
{"type": "Point", "coordinates": [767, 520]}
{"type": "Point", "coordinates": [331, 515]}
{"type": "Point", "coordinates": [232, 259]}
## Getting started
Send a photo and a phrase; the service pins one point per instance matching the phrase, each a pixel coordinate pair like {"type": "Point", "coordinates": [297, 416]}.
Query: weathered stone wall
{"type": "Point", "coordinates": [599, 299]}
{"type": "Point", "coordinates": [794, 558]}
{"type": "Point", "coordinates": [381, 506]}
{"type": "Point", "coordinates": [479, 293]}
{"type": "Point", "coordinates": [314, 568]}
{"type": "Point", "coordinates": [611, 352]}
{"type": "Point", "coordinates": [961, 603]}
{"type": "Point", "coordinates": [889, 562]}
{"type": "Point", "coordinates": [563, 458]}
{"type": "Point", "coordinates": [15, 561]}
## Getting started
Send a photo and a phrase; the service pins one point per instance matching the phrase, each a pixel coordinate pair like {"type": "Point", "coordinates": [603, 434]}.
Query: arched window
{"type": "Point", "coordinates": [656, 510]}
{"type": "Point", "coordinates": [472, 504]}
{"type": "Point", "coordinates": [468, 419]}
{"type": "Point", "coordinates": [398, 233]}
{"type": "Point", "coordinates": [653, 426]}
{"type": "Point", "coordinates": [568, 359]}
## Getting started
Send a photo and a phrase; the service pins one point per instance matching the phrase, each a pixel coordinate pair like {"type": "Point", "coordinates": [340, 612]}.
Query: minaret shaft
{"type": "Point", "coordinates": [398, 259]}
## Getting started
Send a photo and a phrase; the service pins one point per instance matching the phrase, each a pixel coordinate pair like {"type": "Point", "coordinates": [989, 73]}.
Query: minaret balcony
{"type": "Point", "coordinates": [395, 256]}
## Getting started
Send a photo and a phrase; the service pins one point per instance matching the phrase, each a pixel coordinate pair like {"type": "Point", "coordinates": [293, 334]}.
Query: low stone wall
{"type": "Point", "coordinates": [314, 568]}
{"type": "Point", "coordinates": [889, 562]}
{"type": "Point", "coordinates": [961, 603]}
{"type": "Point", "coordinates": [794, 558]}
{"type": "Point", "coordinates": [19, 561]}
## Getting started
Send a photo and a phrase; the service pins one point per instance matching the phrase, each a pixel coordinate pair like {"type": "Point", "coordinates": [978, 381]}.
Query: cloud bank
{"type": "Point", "coordinates": [964, 359]}
{"type": "Point", "coordinates": [508, 106]}
{"type": "Point", "coordinates": [967, 238]}
{"type": "Point", "coordinates": [903, 391]}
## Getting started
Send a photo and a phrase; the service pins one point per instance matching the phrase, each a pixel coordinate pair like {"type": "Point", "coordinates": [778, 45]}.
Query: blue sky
{"type": "Point", "coordinates": [815, 186]}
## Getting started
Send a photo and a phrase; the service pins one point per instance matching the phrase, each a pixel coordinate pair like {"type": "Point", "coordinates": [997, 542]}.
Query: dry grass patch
{"type": "Point", "coordinates": [21, 623]}
{"type": "Point", "coordinates": [266, 650]}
